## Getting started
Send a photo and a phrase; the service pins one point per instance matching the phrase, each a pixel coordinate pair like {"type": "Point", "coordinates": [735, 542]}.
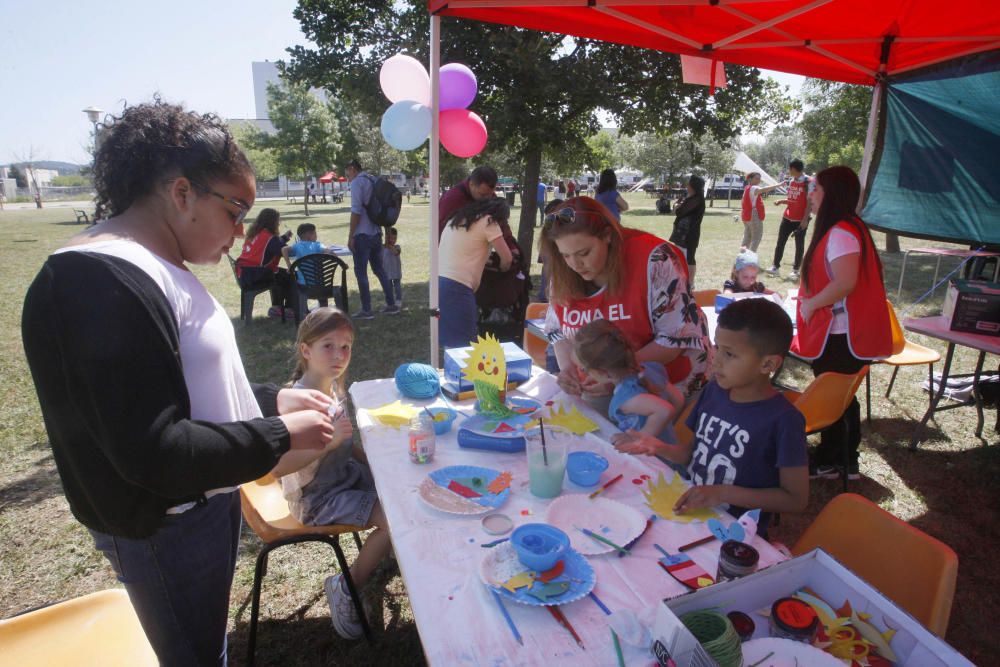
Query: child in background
{"type": "Point", "coordinates": [306, 245]}
{"type": "Point", "coordinates": [333, 485]}
{"type": "Point", "coordinates": [393, 266]}
{"type": "Point", "coordinates": [744, 276]}
{"type": "Point", "coordinates": [643, 400]}
{"type": "Point", "coordinates": [749, 446]}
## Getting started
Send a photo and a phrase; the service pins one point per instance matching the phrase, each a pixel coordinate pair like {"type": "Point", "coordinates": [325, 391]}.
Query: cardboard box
{"type": "Point", "coordinates": [518, 366]}
{"type": "Point", "coordinates": [973, 306]}
{"type": "Point", "coordinates": [912, 643]}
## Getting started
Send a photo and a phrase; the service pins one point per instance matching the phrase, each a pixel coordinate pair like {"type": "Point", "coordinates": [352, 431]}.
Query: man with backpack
{"type": "Point", "coordinates": [365, 239]}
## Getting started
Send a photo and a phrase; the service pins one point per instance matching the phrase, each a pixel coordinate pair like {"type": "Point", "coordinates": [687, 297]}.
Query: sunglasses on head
{"type": "Point", "coordinates": [567, 215]}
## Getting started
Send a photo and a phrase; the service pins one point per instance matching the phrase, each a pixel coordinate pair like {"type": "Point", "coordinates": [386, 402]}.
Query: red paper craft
{"type": "Point", "coordinates": [504, 427]}
{"type": "Point", "coordinates": [551, 574]}
{"type": "Point", "coordinates": [462, 490]}
{"type": "Point", "coordinates": [686, 571]}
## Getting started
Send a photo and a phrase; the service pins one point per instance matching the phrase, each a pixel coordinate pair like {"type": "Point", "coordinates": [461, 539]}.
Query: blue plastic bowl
{"type": "Point", "coordinates": [585, 468]}
{"type": "Point", "coordinates": [539, 546]}
{"type": "Point", "coordinates": [442, 426]}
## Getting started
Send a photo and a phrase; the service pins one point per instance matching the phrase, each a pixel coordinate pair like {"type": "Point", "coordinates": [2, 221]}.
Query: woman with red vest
{"type": "Point", "coordinates": [753, 210]}
{"type": "Point", "coordinates": [257, 265]}
{"type": "Point", "coordinates": [842, 319]}
{"type": "Point", "coordinates": [600, 270]}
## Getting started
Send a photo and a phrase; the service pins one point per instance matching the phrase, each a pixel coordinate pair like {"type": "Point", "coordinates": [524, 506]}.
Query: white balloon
{"type": "Point", "coordinates": [404, 78]}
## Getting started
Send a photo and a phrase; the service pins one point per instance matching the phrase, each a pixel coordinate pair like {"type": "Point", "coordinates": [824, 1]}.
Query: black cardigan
{"type": "Point", "coordinates": [103, 347]}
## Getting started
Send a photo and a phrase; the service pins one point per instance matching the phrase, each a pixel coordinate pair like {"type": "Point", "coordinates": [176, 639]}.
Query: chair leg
{"type": "Point", "coordinates": [346, 571]}
{"type": "Point", "coordinates": [892, 381]}
{"type": "Point", "coordinates": [868, 394]}
{"type": "Point", "coordinates": [258, 578]}
{"type": "Point", "coordinates": [930, 384]}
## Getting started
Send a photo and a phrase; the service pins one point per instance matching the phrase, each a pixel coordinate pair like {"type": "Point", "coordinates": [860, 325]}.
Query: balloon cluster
{"type": "Point", "coordinates": [406, 124]}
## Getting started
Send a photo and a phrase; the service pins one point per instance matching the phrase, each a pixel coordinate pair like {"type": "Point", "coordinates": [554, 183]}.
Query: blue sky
{"type": "Point", "coordinates": [71, 54]}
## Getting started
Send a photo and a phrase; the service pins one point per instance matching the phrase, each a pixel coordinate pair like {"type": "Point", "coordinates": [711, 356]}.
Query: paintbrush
{"type": "Point", "coordinates": [600, 490]}
{"type": "Point", "coordinates": [563, 621]}
{"type": "Point", "coordinates": [594, 536]}
{"type": "Point", "coordinates": [696, 543]}
{"type": "Point", "coordinates": [506, 615]}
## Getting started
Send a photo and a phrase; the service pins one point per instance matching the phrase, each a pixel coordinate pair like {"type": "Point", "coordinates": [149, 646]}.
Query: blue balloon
{"type": "Point", "coordinates": [406, 125]}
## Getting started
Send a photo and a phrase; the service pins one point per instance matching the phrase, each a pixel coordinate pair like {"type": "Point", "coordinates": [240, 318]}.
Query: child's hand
{"type": "Point", "coordinates": [343, 430]}
{"type": "Point", "coordinates": [698, 497]}
{"type": "Point", "coordinates": [570, 382]}
{"type": "Point", "coordinates": [635, 442]}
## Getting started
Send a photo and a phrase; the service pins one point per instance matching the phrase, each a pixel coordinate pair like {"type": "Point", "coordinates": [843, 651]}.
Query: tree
{"type": "Point", "coordinates": [782, 145]}
{"type": "Point", "coordinates": [307, 138]}
{"type": "Point", "coordinates": [263, 160]}
{"type": "Point", "coordinates": [713, 158]}
{"type": "Point", "coordinates": [20, 180]}
{"type": "Point", "coordinates": [70, 180]}
{"type": "Point", "coordinates": [663, 157]}
{"type": "Point", "coordinates": [539, 93]}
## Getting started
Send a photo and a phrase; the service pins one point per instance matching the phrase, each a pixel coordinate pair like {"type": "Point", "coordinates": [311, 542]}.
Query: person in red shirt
{"type": "Point", "coordinates": [795, 219]}
{"type": "Point", "coordinates": [481, 184]}
{"type": "Point", "coordinates": [257, 265]}
{"type": "Point", "coordinates": [600, 270]}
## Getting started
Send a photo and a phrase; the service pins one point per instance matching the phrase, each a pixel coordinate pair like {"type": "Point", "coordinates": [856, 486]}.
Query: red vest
{"type": "Point", "coordinates": [869, 334]}
{"type": "Point", "coordinates": [253, 253]}
{"type": "Point", "coordinates": [748, 206]}
{"type": "Point", "coordinates": [798, 197]}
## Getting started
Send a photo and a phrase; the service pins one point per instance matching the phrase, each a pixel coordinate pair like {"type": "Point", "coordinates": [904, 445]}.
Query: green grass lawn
{"type": "Point", "coordinates": [947, 488]}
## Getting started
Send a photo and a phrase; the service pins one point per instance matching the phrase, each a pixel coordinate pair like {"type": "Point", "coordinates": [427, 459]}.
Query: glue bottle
{"type": "Point", "coordinates": [421, 437]}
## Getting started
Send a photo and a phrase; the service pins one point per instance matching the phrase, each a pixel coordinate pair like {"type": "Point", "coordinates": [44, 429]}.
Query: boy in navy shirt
{"type": "Point", "coordinates": [749, 445]}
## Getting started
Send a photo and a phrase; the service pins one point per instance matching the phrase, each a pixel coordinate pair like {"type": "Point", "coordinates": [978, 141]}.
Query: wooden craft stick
{"type": "Point", "coordinates": [600, 490]}
{"type": "Point", "coordinates": [563, 621]}
{"type": "Point", "coordinates": [506, 615]}
{"type": "Point", "coordinates": [697, 543]}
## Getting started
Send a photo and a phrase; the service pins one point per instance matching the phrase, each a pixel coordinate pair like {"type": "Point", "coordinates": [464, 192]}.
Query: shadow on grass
{"type": "Point", "coordinates": [39, 485]}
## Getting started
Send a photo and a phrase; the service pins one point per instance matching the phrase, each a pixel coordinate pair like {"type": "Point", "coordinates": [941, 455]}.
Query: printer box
{"type": "Point", "coordinates": [455, 358]}
{"type": "Point", "coordinates": [910, 642]}
{"type": "Point", "coordinates": [973, 306]}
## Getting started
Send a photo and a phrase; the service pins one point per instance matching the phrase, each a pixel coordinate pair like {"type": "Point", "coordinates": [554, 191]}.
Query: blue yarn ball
{"type": "Point", "coordinates": [417, 380]}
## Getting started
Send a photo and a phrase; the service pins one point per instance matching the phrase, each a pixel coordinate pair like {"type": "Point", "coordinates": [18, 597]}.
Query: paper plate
{"type": "Point", "coordinates": [434, 491]}
{"type": "Point", "coordinates": [786, 653]}
{"type": "Point", "coordinates": [501, 563]}
{"type": "Point", "coordinates": [608, 518]}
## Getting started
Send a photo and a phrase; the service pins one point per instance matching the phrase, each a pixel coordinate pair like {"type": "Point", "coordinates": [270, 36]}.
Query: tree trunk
{"type": "Point", "coordinates": [892, 242]}
{"type": "Point", "coordinates": [529, 205]}
{"type": "Point", "coordinates": [305, 192]}
{"type": "Point", "coordinates": [715, 180]}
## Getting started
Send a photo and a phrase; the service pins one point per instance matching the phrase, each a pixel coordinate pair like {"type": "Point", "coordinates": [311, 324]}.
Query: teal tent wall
{"type": "Point", "coordinates": [937, 162]}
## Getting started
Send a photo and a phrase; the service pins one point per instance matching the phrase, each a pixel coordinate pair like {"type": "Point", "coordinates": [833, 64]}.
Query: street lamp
{"type": "Point", "coordinates": [94, 116]}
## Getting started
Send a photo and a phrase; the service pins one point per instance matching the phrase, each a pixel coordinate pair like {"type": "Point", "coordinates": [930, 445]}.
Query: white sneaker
{"type": "Point", "coordinates": [794, 275]}
{"type": "Point", "coordinates": [342, 612]}
{"type": "Point", "coordinates": [773, 270]}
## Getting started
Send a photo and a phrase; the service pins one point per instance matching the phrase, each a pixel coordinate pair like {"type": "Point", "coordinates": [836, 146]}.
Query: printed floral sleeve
{"type": "Point", "coordinates": [676, 318]}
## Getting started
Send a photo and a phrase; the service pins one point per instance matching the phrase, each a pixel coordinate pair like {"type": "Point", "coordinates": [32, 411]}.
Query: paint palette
{"type": "Point", "coordinates": [608, 518]}
{"type": "Point", "coordinates": [503, 572]}
{"type": "Point", "coordinates": [465, 489]}
{"type": "Point", "coordinates": [499, 435]}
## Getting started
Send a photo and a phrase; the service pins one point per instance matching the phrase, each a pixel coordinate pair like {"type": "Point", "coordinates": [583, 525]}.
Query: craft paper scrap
{"type": "Point", "coordinates": [486, 368]}
{"type": "Point", "coordinates": [394, 414]}
{"type": "Point", "coordinates": [521, 580]}
{"type": "Point", "coordinates": [501, 483]}
{"type": "Point", "coordinates": [550, 590]}
{"type": "Point", "coordinates": [661, 497]}
{"type": "Point", "coordinates": [572, 420]}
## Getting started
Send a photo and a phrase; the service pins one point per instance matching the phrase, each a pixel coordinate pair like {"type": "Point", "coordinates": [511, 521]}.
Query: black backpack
{"type": "Point", "coordinates": [385, 202]}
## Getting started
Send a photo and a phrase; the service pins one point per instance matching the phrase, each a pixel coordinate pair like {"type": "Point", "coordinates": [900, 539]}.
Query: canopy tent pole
{"type": "Point", "coordinates": [871, 134]}
{"type": "Point", "coordinates": [434, 162]}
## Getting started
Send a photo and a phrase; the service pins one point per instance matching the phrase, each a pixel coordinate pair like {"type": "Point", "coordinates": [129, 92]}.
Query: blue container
{"type": "Point", "coordinates": [539, 546]}
{"type": "Point", "coordinates": [442, 424]}
{"type": "Point", "coordinates": [721, 301]}
{"type": "Point", "coordinates": [585, 468]}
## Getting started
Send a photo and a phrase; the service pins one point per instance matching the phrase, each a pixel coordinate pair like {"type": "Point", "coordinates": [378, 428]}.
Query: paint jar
{"type": "Point", "coordinates": [421, 437]}
{"type": "Point", "coordinates": [736, 560]}
{"type": "Point", "coordinates": [743, 624]}
{"type": "Point", "coordinates": [793, 619]}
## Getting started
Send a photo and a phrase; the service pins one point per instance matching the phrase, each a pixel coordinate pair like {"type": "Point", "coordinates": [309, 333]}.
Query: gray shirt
{"type": "Point", "coordinates": [361, 192]}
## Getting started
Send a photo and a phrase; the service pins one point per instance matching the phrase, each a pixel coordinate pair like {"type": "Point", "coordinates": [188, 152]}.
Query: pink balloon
{"type": "Point", "coordinates": [463, 132]}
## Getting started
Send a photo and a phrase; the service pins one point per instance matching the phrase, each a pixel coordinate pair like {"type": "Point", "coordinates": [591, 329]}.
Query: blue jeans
{"type": "Point", "coordinates": [179, 579]}
{"type": "Point", "coordinates": [459, 314]}
{"type": "Point", "coordinates": [368, 248]}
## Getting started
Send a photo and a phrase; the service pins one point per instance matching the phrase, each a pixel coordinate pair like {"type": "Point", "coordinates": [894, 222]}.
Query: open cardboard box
{"type": "Point", "coordinates": [912, 644]}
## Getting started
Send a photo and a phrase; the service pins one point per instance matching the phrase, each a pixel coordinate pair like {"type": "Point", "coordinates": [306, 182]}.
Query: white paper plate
{"type": "Point", "coordinates": [608, 518]}
{"type": "Point", "coordinates": [786, 653]}
{"type": "Point", "coordinates": [501, 563]}
{"type": "Point", "coordinates": [444, 500]}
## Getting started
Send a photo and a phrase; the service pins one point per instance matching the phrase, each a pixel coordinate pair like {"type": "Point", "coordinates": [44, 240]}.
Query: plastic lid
{"type": "Point", "coordinates": [497, 524]}
{"type": "Point", "coordinates": [794, 616]}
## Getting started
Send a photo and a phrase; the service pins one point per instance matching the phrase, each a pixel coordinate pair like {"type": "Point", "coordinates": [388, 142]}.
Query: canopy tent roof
{"type": "Point", "coordinates": [328, 177]}
{"type": "Point", "coordinates": [840, 40]}
{"type": "Point", "coordinates": [745, 165]}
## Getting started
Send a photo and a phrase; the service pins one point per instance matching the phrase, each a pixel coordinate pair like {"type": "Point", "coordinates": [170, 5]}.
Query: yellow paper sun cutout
{"type": "Point", "coordinates": [487, 362]}
{"type": "Point", "coordinates": [662, 496]}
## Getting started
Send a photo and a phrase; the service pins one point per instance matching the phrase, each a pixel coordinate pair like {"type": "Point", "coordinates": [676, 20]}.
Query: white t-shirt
{"type": "Point", "coordinates": [754, 196]}
{"type": "Point", "coordinates": [213, 370]}
{"type": "Point", "coordinates": [841, 243]}
{"type": "Point", "coordinates": [463, 252]}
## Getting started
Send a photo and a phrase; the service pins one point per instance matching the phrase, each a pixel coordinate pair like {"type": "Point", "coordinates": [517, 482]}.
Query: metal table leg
{"type": "Point", "coordinates": [902, 272]}
{"type": "Point", "coordinates": [976, 395]}
{"type": "Point", "coordinates": [937, 397]}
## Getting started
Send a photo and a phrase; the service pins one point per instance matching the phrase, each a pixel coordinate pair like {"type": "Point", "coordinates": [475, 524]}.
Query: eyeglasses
{"type": "Point", "coordinates": [241, 205]}
{"type": "Point", "coordinates": [568, 215]}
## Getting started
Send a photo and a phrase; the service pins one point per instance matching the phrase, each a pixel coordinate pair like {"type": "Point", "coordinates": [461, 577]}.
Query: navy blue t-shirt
{"type": "Point", "coordinates": [744, 444]}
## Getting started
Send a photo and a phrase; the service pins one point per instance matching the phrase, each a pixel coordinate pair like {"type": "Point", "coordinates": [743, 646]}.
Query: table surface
{"type": "Point", "coordinates": [439, 554]}
{"type": "Point", "coordinates": [938, 327]}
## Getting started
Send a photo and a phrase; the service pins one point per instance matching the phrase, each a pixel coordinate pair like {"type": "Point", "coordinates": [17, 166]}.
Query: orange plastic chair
{"type": "Point", "coordinates": [705, 297]}
{"type": "Point", "coordinates": [824, 401]}
{"type": "Point", "coordinates": [904, 353]}
{"type": "Point", "coordinates": [266, 512]}
{"type": "Point", "coordinates": [99, 629]}
{"type": "Point", "coordinates": [533, 345]}
{"type": "Point", "coordinates": [913, 569]}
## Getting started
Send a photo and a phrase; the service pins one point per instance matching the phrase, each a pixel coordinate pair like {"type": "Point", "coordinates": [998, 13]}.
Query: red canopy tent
{"type": "Point", "coordinates": [328, 177]}
{"type": "Point", "coordinates": [853, 41]}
